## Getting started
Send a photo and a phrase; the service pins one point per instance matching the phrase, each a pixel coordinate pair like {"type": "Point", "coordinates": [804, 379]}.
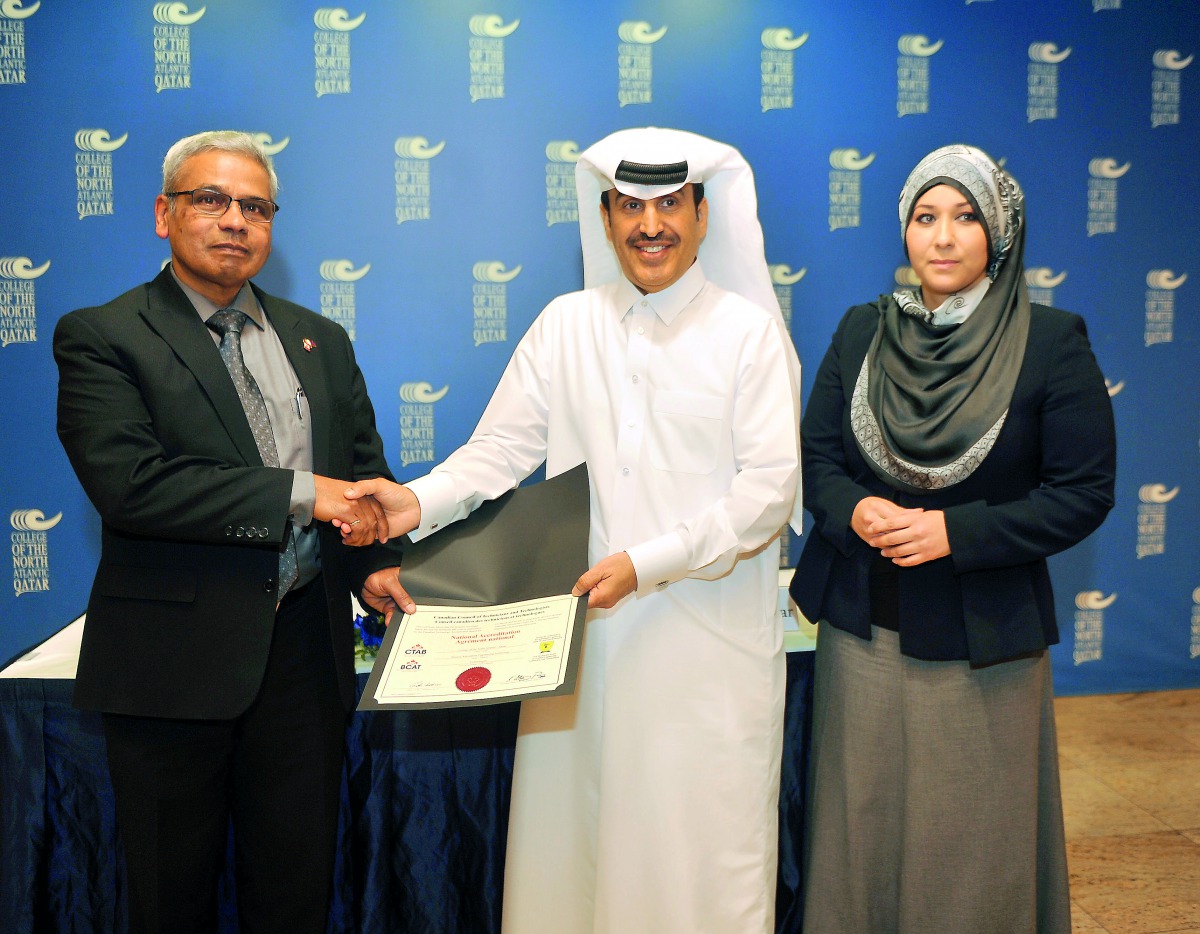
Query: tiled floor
{"type": "Point", "coordinates": [1131, 792]}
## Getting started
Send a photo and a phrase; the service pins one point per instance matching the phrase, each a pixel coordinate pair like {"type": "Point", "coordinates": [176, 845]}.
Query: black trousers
{"type": "Point", "coordinates": [275, 772]}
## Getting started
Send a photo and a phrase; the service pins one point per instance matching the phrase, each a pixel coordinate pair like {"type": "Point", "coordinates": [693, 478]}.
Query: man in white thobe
{"type": "Point", "coordinates": [647, 801]}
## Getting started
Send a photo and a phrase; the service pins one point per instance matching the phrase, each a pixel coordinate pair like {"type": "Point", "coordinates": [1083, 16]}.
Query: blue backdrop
{"type": "Point", "coordinates": [426, 156]}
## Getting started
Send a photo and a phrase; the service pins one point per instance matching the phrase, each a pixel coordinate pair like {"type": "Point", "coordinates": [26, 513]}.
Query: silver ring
{"type": "Point", "coordinates": [356, 522]}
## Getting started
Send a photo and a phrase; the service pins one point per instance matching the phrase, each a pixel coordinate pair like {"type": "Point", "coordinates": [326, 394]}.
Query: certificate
{"type": "Point", "coordinates": [495, 618]}
{"type": "Point", "coordinates": [451, 654]}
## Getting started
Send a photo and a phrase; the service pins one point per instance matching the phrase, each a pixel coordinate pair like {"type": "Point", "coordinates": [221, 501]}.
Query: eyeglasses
{"type": "Point", "coordinates": [216, 203]}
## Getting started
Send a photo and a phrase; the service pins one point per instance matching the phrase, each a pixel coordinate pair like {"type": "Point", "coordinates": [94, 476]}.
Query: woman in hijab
{"type": "Point", "coordinates": [955, 437]}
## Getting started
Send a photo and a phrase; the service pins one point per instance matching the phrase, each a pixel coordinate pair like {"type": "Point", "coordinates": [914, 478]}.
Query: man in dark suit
{"type": "Point", "coordinates": [214, 428]}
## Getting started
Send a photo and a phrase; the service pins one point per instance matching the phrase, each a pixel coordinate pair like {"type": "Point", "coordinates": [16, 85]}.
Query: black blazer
{"type": "Point", "coordinates": [1046, 485]}
{"type": "Point", "coordinates": [182, 608]}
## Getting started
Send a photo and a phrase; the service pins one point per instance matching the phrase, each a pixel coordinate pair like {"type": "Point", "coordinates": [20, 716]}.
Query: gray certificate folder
{"type": "Point", "coordinates": [530, 543]}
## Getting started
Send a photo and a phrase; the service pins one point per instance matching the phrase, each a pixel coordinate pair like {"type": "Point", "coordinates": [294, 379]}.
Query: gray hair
{"type": "Point", "coordinates": [233, 141]}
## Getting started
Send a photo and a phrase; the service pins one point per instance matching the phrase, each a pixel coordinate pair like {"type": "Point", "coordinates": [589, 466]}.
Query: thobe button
{"type": "Point", "coordinates": [641, 330]}
{"type": "Point", "coordinates": [625, 471]}
{"type": "Point", "coordinates": [635, 377]}
{"type": "Point", "coordinates": [644, 303]}
{"type": "Point", "coordinates": [270, 585]}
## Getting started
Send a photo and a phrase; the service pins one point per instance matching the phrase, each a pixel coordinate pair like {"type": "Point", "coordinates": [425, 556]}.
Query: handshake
{"type": "Point", "coordinates": [366, 511]}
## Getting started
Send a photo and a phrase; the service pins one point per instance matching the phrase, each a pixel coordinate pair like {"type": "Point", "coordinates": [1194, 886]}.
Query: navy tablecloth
{"type": "Point", "coordinates": [423, 817]}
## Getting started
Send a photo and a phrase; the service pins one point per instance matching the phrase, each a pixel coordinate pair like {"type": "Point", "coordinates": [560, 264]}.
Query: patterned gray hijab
{"type": "Point", "coordinates": [930, 401]}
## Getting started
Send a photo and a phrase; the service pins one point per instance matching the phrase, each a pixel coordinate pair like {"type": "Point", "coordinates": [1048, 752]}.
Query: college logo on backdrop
{"type": "Point", "coordinates": [416, 422]}
{"type": "Point", "coordinates": [331, 49]}
{"type": "Point", "coordinates": [486, 55]}
{"type": "Point", "coordinates": [845, 187]}
{"type": "Point", "coordinates": [1040, 282]}
{"type": "Point", "coordinates": [782, 280]}
{"type": "Point", "coordinates": [489, 300]}
{"type": "Point", "coordinates": [1165, 95]}
{"type": "Point", "coordinates": [1195, 649]}
{"type": "Point", "coordinates": [777, 62]}
{"type": "Point", "coordinates": [31, 550]}
{"type": "Point", "coordinates": [1042, 101]}
{"type": "Point", "coordinates": [338, 299]}
{"type": "Point", "coordinates": [635, 61]}
{"type": "Point", "coordinates": [1089, 625]}
{"type": "Point", "coordinates": [269, 146]}
{"type": "Point", "coordinates": [412, 177]}
{"type": "Point", "coordinates": [912, 74]}
{"type": "Point", "coordinates": [94, 171]}
{"type": "Point", "coordinates": [1152, 518]}
{"type": "Point", "coordinates": [1102, 195]}
{"type": "Point", "coordinates": [561, 204]}
{"type": "Point", "coordinates": [1100, 5]}
{"type": "Point", "coordinates": [12, 39]}
{"type": "Point", "coordinates": [173, 46]}
{"type": "Point", "coordinates": [1160, 305]}
{"type": "Point", "coordinates": [18, 301]}
{"type": "Point", "coordinates": [1114, 388]}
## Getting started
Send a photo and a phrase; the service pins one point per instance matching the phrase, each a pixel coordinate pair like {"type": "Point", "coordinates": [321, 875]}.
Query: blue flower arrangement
{"type": "Point", "coordinates": [368, 635]}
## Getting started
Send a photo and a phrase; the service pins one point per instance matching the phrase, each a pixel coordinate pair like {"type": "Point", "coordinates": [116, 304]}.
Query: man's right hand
{"type": "Point", "coordinates": [361, 521]}
{"type": "Point", "coordinates": [400, 507]}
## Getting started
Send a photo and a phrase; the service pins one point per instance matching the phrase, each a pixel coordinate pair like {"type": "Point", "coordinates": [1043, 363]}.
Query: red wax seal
{"type": "Point", "coordinates": [473, 679]}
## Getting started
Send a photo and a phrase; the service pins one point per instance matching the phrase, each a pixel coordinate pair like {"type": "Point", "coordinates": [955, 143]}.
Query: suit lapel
{"type": "Point", "coordinates": [306, 360]}
{"type": "Point", "coordinates": [171, 315]}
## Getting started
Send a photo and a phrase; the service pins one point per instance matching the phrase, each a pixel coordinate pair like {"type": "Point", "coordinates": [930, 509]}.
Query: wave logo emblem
{"type": "Point", "coordinates": [912, 74]}
{"type": "Point", "coordinates": [1169, 60]}
{"type": "Point", "coordinates": [331, 49]}
{"type": "Point", "coordinates": [15, 9]}
{"type": "Point", "coordinates": [417, 430]}
{"type": "Point", "coordinates": [1160, 305]}
{"type": "Point", "coordinates": [491, 26]}
{"type": "Point", "coordinates": [777, 64]}
{"type": "Point", "coordinates": [269, 147]}
{"type": "Point", "coordinates": [485, 54]}
{"type": "Point", "coordinates": [176, 14]}
{"type": "Point", "coordinates": [21, 267]}
{"type": "Point", "coordinates": [98, 141]}
{"type": "Point", "coordinates": [489, 301]}
{"type": "Point", "coordinates": [1047, 53]}
{"type": "Point", "coordinates": [1041, 283]}
{"type": "Point", "coordinates": [782, 280]}
{"type": "Point", "coordinates": [845, 187]}
{"type": "Point", "coordinates": [1114, 388]}
{"type": "Point", "coordinates": [422, 393]}
{"type": "Point", "coordinates": [413, 177]}
{"type": "Point", "coordinates": [342, 270]}
{"type": "Point", "coordinates": [32, 520]}
{"type": "Point", "coordinates": [1089, 625]}
{"type": "Point", "coordinates": [337, 19]}
{"type": "Point", "coordinates": [635, 61]}
{"type": "Point", "coordinates": [562, 207]}
{"type": "Point", "coordinates": [1102, 194]}
{"type": "Point", "coordinates": [1152, 518]}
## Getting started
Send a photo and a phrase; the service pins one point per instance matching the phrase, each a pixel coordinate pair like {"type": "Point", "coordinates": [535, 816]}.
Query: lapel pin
{"type": "Point", "coordinates": [309, 344]}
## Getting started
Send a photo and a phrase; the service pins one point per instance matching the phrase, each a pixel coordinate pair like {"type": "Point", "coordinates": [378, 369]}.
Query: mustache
{"type": "Point", "coordinates": [661, 239]}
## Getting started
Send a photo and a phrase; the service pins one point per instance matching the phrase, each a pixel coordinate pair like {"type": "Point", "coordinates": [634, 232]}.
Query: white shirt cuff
{"type": "Point", "coordinates": [659, 562]}
{"type": "Point", "coordinates": [439, 504]}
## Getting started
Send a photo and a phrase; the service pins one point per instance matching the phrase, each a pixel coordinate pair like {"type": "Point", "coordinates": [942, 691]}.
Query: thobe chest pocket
{"type": "Point", "coordinates": [685, 431]}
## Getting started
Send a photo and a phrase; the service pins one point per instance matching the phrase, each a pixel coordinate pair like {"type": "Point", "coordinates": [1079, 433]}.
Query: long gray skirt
{"type": "Point", "coordinates": [934, 801]}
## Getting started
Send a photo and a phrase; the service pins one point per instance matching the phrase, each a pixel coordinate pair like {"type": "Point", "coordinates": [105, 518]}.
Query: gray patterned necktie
{"type": "Point", "coordinates": [228, 322]}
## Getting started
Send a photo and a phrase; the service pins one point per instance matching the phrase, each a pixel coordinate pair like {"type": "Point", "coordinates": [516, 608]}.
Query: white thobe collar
{"type": "Point", "coordinates": [670, 302]}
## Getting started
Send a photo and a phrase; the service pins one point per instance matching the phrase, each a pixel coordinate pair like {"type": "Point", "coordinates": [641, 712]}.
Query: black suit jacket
{"type": "Point", "coordinates": [1046, 485]}
{"type": "Point", "coordinates": [181, 612]}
